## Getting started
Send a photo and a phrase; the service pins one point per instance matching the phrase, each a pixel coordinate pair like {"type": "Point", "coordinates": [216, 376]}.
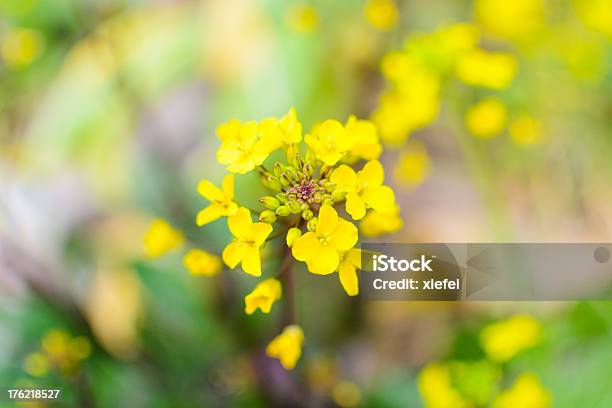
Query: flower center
{"type": "Point", "coordinates": [304, 191]}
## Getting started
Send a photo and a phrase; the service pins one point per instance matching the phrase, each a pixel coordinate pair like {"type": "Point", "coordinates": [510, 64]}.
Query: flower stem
{"type": "Point", "coordinates": [286, 275]}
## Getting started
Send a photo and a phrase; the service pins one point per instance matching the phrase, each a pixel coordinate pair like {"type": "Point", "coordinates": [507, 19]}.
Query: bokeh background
{"type": "Point", "coordinates": [108, 111]}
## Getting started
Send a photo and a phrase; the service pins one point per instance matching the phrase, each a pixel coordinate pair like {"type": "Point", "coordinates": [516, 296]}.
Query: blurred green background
{"type": "Point", "coordinates": [107, 118]}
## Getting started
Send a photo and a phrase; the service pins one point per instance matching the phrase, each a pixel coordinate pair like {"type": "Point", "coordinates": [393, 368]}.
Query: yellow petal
{"type": "Point", "coordinates": [292, 235]}
{"type": "Point", "coordinates": [328, 219]}
{"type": "Point", "coordinates": [259, 232]}
{"type": "Point", "coordinates": [229, 130]}
{"type": "Point", "coordinates": [325, 261]}
{"type": "Point", "coordinates": [344, 236]}
{"type": "Point", "coordinates": [348, 278]}
{"type": "Point", "coordinates": [209, 191]}
{"type": "Point", "coordinates": [372, 174]}
{"type": "Point", "coordinates": [240, 223]}
{"type": "Point", "coordinates": [381, 198]}
{"type": "Point", "coordinates": [345, 178]}
{"type": "Point", "coordinates": [200, 262]}
{"type": "Point", "coordinates": [251, 263]}
{"type": "Point", "coordinates": [305, 247]}
{"type": "Point", "coordinates": [209, 214]}
{"type": "Point", "coordinates": [355, 206]}
{"type": "Point", "coordinates": [228, 186]}
{"type": "Point", "coordinates": [233, 253]}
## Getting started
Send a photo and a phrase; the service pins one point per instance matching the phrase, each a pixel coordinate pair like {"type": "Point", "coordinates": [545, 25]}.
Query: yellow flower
{"type": "Point", "coordinates": [79, 348]}
{"type": "Point", "coordinates": [413, 164]}
{"type": "Point", "coordinates": [161, 238]}
{"type": "Point", "coordinates": [488, 69]}
{"type": "Point", "coordinates": [505, 339]}
{"type": "Point", "coordinates": [321, 249]}
{"type": "Point", "coordinates": [346, 394]}
{"type": "Point", "coordinates": [595, 14]}
{"type": "Point", "coordinates": [248, 238]}
{"type": "Point", "coordinates": [435, 386]}
{"type": "Point", "coordinates": [377, 223]}
{"type": "Point", "coordinates": [526, 392]}
{"type": "Point", "coordinates": [350, 261]}
{"type": "Point", "coordinates": [526, 130]}
{"type": "Point", "coordinates": [510, 19]}
{"type": "Point", "coordinates": [55, 343]}
{"type": "Point", "coordinates": [487, 118]}
{"type": "Point", "coordinates": [221, 200]}
{"type": "Point", "coordinates": [287, 346]}
{"type": "Point", "coordinates": [291, 128]}
{"type": "Point", "coordinates": [36, 364]}
{"type": "Point", "coordinates": [381, 14]}
{"type": "Point", "coordinates": [245, 146]}
{"type": "Point", "coordinates": [367, 146]}
{"type": "Point", "coordinates": [200, 262]}
{"type": "Point", "coordinates": [263, 296]}
{"type": "Point", "coordinates": [364, 189]}
{"type": "Point", "coordinates": [329, 141]}
{"type": "Point", "coordinates": [302, 18]}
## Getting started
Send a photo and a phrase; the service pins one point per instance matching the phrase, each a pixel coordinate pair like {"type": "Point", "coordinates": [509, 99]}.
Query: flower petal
{"type": "Point", "coordinates": [344, 236]}
{"type": "Point", "coordinates": [348, 278]}
{"type": "Point", "coordinates": [259, 232]}
{"type": "Point", "coordinates": [326, 260]}
{"type": "Point", "coordinates": [233, 254]}
{"type": "Point", "coordinates": [355, 206]}
{"type": "Point", "coordinates": [209, 191]}
{"type": "Point", "coordinates": [227, 186]}
{"type": "Point", "coordinates": [372, 174]}
{"type": "Point", "coordinates": [240, 223]}
{"type": "Point", "coordinates": [381, 198]}
{"type": "Point", "coordinates": [328, 219]}
{"type": "Point", "coordinates": [209, 214]}
{"type": "Point", "coordinates": [345, 178]}
{"type": "Point", "coordinates": [251, 263]}
{"type": "Point", "coordinates": [305, 246]}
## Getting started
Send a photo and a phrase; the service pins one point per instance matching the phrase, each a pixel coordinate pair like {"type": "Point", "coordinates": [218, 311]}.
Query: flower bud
{"type": "Point", "coordinates": [326, 171]}
{"type": "Point", "coordinates": [292, 173]}
{"type": "Point", "coordinates": [284, 179]}
{"type": "Point", "coordinates": [329, 186]}
{"type": "Point", "coordinates": [317, 198]}
{"type": "Point", "coordinates": [292, 235]}
{"type": "Point", "coordinates": [304, 206]}
{"type": "Point", "coordinates": [278, 169]}
{"type": "Point", "coordinates": [312, 224]}
{"type": "Point", "coordinates": [307, 214]}
{"type": "Point", "coordinates": [270, 203]}
{"type": "Point", "coordinates": [294, 207]}
{"type": "Point", "coordinates": [308, 170]}
{"type": "Point", "coordinates": [271, 182]}
{"type": "Point", "coordinates": [267, 216]}
{"type": "Point", "coordinates": [292, 151]}
{"type": "Point", "coordinates": [338, 195]}
{"type": "Point", "coordinates": [283, 211]}
{"type": "Point", "coordinates": [328, 200]}
{"type": "Point", "coordinates": [282, 198]}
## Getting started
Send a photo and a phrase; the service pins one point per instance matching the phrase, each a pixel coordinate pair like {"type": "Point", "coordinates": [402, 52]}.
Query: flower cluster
{"type": "Point", "coordinates": [319, 184]}
{"type": "Point", "coordinates": [478, 382]}
{"type": "Point", "coordinates": [58, 351]}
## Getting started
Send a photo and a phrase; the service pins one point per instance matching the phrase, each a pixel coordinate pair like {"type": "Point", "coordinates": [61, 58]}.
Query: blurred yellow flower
{"type": "Point", "coordinates": [413, 164]}
{"type": "Point", "coordinates": [21, 46]}
{"type": "Point", "coordinates": [200, 262]}
{"type": "Point", "coordinates": [161, 238]}
{"type": "Point", "coordinates": [55, 343]}
{"type": "Point", "coordinates": [595, 14]}
{"type": "Point", "coordinates": [367, 146]}
{"type": "Point", "coordinates": [291, 128]}
{"type": "Point", "coordinates": [526, 392]}
{"type": "Point", "coordinates": [302, 18]}
{"type": "Point", "coordinates": [510, 19]}
{"type": "Point", "coordinates": [377, 223]}
{"type": "Point", "coordinates": [287, 346]}
{"type": "Point", "coordinates": [79, 348]}
{"type": "Point", "coordinates": [364, 189]}
{"type": "Point", "coordinates": [321, 249]}
{"type": "Point", "coordinates": [329, 141]}
{"type": "Point", "coordinates": [263, 296]}
{"type": "Point", "coordinates": [435, 386]}
{"type": "Point", "coordinates": [487, 118]}
{"type": "Point", "coordinates": [494, 70]}
{"type": "Point", "coordinates": [245, 146]}
{"type": "Point", "coordinates": [221, 200]}
{"type": "Point", "coordinates": [526, 130]}
{"type": "Point", "coordinates": [248, 238]}
{"type": "Point", "coordinates": [504, 339]}
{"type": "Point", "coordinates": [381, 14]}
{"type": "Point", "coordinates": [350, 262]}
{"type": "Point", "coordinates": [36, 364]}
{"type": "Point", "coordinates": [346, 394]}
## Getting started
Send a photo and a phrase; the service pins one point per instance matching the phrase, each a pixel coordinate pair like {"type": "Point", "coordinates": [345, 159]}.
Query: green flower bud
{"type": "Point", "coordinates": [269, 202]}
{"type": "Point", "coordinates": [312, 224]}
{"type": "Point", "coordinates": [329, 186]}
{"type": "Point", "coordinates": [328, 201]}
{"type": "Point", "coordinates": [271, 182]}
{"type": "Point", "coordinates": [338, 195]}
{"type": "Point", "coordinates": [307, 214]}
{"type": "Point", "coordinates": [308, 170]}
{"type": "Point", "coordinates": [294, 207]}
{"type": "Point", "coordinates": [292, 235]}
{"type": "Point", "coordinates": [326, 171]}
{"type": "Point", "coordinates": [267, 216]}
{"type": "Point", "coordinates": [283, 211]}
{"type": "Point", "coordinates": [317, 198]}
{"type": "Point", "coordinates": [285, 180]}
{"type": "Point", "coordinates": [292, 173]}
{"type": "Point", "coordinates": [278, 169]}
{"type": "Point", "coordinates": [304, 206]}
